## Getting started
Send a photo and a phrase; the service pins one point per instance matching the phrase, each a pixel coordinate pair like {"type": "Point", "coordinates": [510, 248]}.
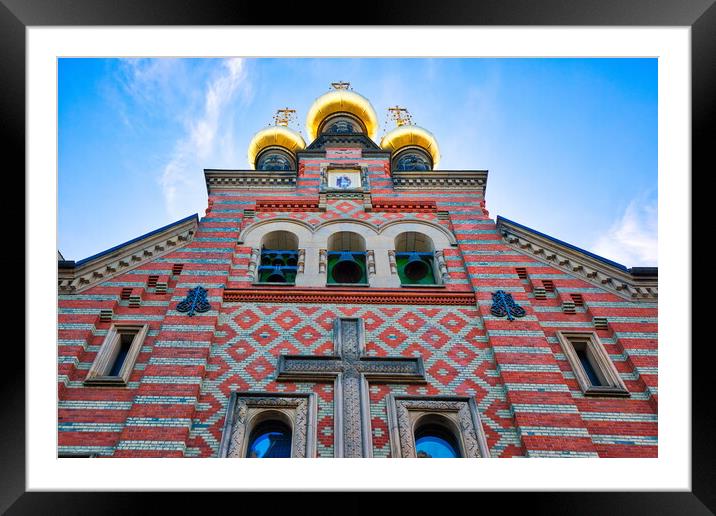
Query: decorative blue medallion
{"type": "Point", "coordinates": [504, 305]}
{"type": "Point", "coordinates": [195, 301]}
{"type": "Point", "coordinates": [343, 182]}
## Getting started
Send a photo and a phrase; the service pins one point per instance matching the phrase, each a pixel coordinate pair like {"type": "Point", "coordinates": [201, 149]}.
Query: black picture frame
{"type": "Point", "coordinates": [17, 15]}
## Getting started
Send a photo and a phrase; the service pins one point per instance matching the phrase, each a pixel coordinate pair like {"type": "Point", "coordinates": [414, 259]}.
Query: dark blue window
{"type": "Point", "coordinates": [412, 161]}
{"type": "Point", "coordinates": [435, 441]}
{"type": "Point", "coordinates": [273, 162]}
{"type": "Point", "coordinates": [124, 345]}
{"type": "Point", "coordinates": [270, 439]}
{"type": "Point", "coordinates": [587, 366]}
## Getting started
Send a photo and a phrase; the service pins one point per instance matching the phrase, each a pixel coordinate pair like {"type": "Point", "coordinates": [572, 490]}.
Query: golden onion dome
{"type": "Point", "coordinates": [411, 135]}
{"type": "Point", "coordinates": [275, 136]}
{"type": "Point", "coordinates": [341, 101]}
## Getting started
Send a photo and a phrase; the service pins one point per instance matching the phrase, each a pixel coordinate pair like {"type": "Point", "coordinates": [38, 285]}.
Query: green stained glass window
{"type": "Point", "coordinates": [415, 268]}
{"type": "Point", "coordinates": [345, 267]}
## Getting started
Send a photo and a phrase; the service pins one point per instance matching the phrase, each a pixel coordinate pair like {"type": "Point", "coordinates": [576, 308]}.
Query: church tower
{"type": "Point", "coordinates": [346, 297]}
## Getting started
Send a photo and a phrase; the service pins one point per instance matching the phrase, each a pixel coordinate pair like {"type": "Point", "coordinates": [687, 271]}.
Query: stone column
{"type": "Point", "coordinates": [253, 263]}
{"type": "Point", "coordinates": [442, 266]}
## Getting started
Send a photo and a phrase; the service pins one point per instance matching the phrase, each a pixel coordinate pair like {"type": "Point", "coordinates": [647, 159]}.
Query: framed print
{"type": "Point", "coordinates": [365, 264]}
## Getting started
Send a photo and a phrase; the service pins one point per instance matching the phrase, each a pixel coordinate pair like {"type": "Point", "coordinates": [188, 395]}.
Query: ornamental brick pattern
{"type": "Point", "coordinates": [529, 401]}
{"type": "Point", "coordinates": [451, 341]}
{"type": "Point", "coordinates": [350, 210]}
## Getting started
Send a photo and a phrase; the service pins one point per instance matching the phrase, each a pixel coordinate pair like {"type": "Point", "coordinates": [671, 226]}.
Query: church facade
{"type": "Point", "coordinates": [347, 298]}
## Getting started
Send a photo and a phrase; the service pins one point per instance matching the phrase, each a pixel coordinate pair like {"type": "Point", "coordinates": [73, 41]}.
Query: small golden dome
{"type": "Point", "coordinates": [337, 101]}
{"type": "Point", "coordinates": [276, 135]}
{"type": "Point", "coordinates": [406, 135]}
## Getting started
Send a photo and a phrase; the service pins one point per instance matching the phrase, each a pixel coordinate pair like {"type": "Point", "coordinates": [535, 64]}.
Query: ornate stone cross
{"type": "Point", "coordinates": [351, 370]}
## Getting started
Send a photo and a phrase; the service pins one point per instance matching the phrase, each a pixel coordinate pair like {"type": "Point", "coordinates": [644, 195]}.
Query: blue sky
{"type": "Point", "coordinates": [570, 144]}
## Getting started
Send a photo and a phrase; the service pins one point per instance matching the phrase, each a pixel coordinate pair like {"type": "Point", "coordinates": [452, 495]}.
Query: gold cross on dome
{"type": "Point", "coordinates": [401, 115]}
{"type": "Point", "coordinates": [340, 85]}
{"type": "Point", "coordinates": [284, 116]}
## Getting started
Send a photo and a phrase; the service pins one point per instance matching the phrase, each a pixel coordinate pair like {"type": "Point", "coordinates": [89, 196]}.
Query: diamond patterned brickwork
{"type": "Point", "coordinates": [251, 336]}
{"type": "Point", "coordinates": [351, 210]}
{"type": "Point", "coordinates": [552, 415]}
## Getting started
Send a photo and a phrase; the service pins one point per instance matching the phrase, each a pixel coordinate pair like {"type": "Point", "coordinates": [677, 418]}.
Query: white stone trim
{"type": "Point", "coordinates": [253, 235]}
{"type": "Point", "coordinates": [472, 180]}
{"type": "Point", "coordinates": [379, 240]}
{"type": "Point", "coordinates": [125, 258]}
{"type": "Point", "coordinates": [405, 411]}
{"type": "Point", "coordinates": [98, 373]}
{"type": "Point", "coordinates": [442, 238]}
{"type": "Point", "coordinates": [604, 367]}
{"type": "Point", "coordinates": [579, 265]}
{"type": "Point", "coordinates": [246, 409]}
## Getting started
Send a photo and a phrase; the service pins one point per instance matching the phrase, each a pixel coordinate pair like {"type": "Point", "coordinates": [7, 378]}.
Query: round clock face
{"type": "Point", "coordinates": [343, 182]}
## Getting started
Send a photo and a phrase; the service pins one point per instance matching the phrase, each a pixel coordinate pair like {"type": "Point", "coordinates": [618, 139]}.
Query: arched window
{"type": "Point", "coordinates": [346, 259]}
{"type": "Point", "coordinates": [415, 259]}
{"type": "Point", "coordinates": [436, 438]}
{"type": "Point", "coordinates": [279, 258]}
{"type": "Point", "coordinates": [341, 127]}
{"type": "Point", "coordinates": [274, 160]}
{"type": "Point", "coordinates": [341, 123]}
{"type": "Point", "coordinates": [269, 439]}
{"type": "Point", "coordinates": [412, 160]}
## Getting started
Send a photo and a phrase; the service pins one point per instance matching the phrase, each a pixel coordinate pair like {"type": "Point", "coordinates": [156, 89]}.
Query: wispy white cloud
{"type": "Point", "coordinates": [632, 238]}
{"type": "Point", "coordinates": [481, 120]}
{"type": "Point", "coordinates": [208, 133]}
{"type": "Point", "coordinates": [155, 87]}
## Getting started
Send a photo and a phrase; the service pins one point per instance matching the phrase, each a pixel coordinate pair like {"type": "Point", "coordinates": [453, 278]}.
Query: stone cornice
{"type": "Point", "coordinates": [351, 296]}
{"type": "Point", "coordinates": [253, 179]}
{"type": "Point", "coordinates": [290, 205]}
{"type": "Point", "coordinates": [403, 205]}
{"type": "Point", "coordinates": [75, 277]}
{"type": "Point", "coordinates": [441, 180]}
{"type": "Point", "coordinates": [635, 284]}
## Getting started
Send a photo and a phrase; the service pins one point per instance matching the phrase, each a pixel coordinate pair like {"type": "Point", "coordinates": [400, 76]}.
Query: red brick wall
{"type": "Point", "coordinates": [526, 392]}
